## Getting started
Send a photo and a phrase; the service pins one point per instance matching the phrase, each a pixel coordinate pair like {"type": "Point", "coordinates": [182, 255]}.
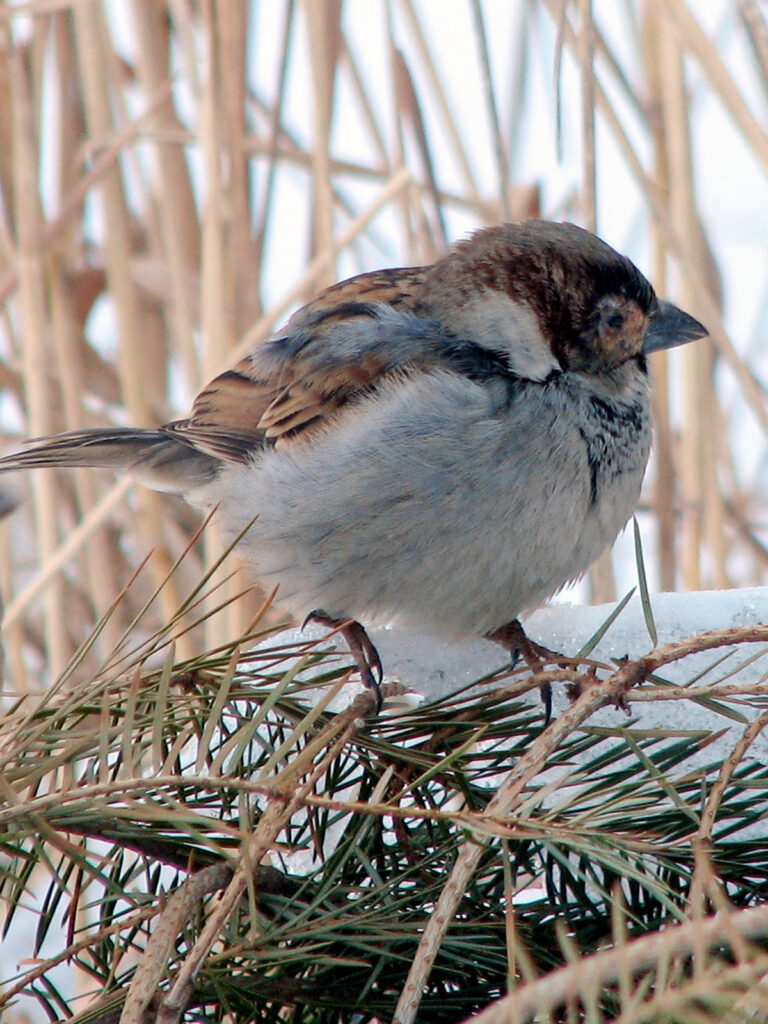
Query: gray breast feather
{"type": "Point", "coordinates": [451, 486]}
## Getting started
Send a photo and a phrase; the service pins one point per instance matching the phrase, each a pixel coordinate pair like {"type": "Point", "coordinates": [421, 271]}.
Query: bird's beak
{"type": "Point", "coordinates": [669, 326]}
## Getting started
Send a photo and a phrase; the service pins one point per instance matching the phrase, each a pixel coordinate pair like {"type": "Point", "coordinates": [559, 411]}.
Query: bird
{"type": "Point", "coordinates": [442, 447]}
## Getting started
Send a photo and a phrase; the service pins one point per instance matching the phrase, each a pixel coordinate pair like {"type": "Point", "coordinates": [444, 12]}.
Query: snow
{"type": "Point", "coordinates": [434, 668]}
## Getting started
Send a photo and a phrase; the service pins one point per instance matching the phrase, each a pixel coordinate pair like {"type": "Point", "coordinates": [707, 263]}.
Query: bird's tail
{"type": "Point", "coordinates": [156, 458]}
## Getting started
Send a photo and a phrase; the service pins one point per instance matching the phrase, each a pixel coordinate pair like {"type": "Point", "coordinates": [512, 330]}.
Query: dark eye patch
{"type": "Point", "coordinates": [616, 320]}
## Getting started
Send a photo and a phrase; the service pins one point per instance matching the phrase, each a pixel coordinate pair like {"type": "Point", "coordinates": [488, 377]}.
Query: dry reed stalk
{"type": "Point", "coordinates": [397, 183]}
{"type": "Point", "coordinates": [602, 576]}
{"type": "Point", "coordinates": [680, 205]}
{"type": "Point", "coordinates": [457, 144]}
{"type": "Point", "coordinates": [231, 34]}
{"type": "Point", "coordinates": [220, 241]}
{"type": "Point", "coordinates": [499, 149]}
{"type": "Point", "coordinates": [323, 32]}
{"type": "Point", "coordinates": [36, 352]}
{"type": "Point", "coordinates": [696, 42]}
{"type": "Point", "coordinates": [138, 368]}
{"type": "Point", "coordinates": [272, 149]}
{"type": "Point", "coordinates": [178, 234]}
{"type": "Point", "coordinates": [699, 464]}
{"type": "Point", "coordinates": [57, 559]}
{"type": "Point", "coordinates": [665, 474]}
{"type": "Point", "coordinates": [696, 270]}
{"type": "Point", "coordinates": [100, 565]}
{"type": "Point", "coordinates": [142, 367]}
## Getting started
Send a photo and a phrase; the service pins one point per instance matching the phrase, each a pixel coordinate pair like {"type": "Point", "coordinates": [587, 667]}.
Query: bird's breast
{"type": "Point", "coordinates": [445, 503]}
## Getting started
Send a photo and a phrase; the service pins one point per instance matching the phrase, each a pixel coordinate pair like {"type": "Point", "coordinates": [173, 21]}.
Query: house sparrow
{"type": "Point", "coordinates": [442, 446]}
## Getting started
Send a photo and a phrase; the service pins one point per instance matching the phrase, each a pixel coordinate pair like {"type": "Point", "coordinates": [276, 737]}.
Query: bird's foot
{"type": "Point", "coordinates": [513, 638]}
{"type": "Point", "coordinates": [360, 646]}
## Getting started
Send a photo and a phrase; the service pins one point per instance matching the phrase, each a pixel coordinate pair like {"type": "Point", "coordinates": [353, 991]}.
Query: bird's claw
{"type": "Point", "coordinates": [513, 638]}
{"type": "Point", "coordinates": [361, 648]}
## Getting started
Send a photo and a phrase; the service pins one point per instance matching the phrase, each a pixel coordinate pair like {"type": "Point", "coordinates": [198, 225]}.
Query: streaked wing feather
{"type": "Point", "coordinates": [300, 419]}
{"type": "Point", "coordinates": [225, 416]}
{"type": "Point", "coordinates": [288, 402]}
{"type": "Point", "coordinates": [293, 385]}
{"type": "Point", "coordinates": [399, 288]}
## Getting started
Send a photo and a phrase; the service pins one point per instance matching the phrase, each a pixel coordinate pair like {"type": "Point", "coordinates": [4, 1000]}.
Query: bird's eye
{"type": "Point", "coordinates": [615, 320]}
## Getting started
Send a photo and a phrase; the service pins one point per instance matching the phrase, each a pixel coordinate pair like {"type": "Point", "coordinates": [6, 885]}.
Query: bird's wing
{"type": "Point", "coordinates": [333, 351]}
